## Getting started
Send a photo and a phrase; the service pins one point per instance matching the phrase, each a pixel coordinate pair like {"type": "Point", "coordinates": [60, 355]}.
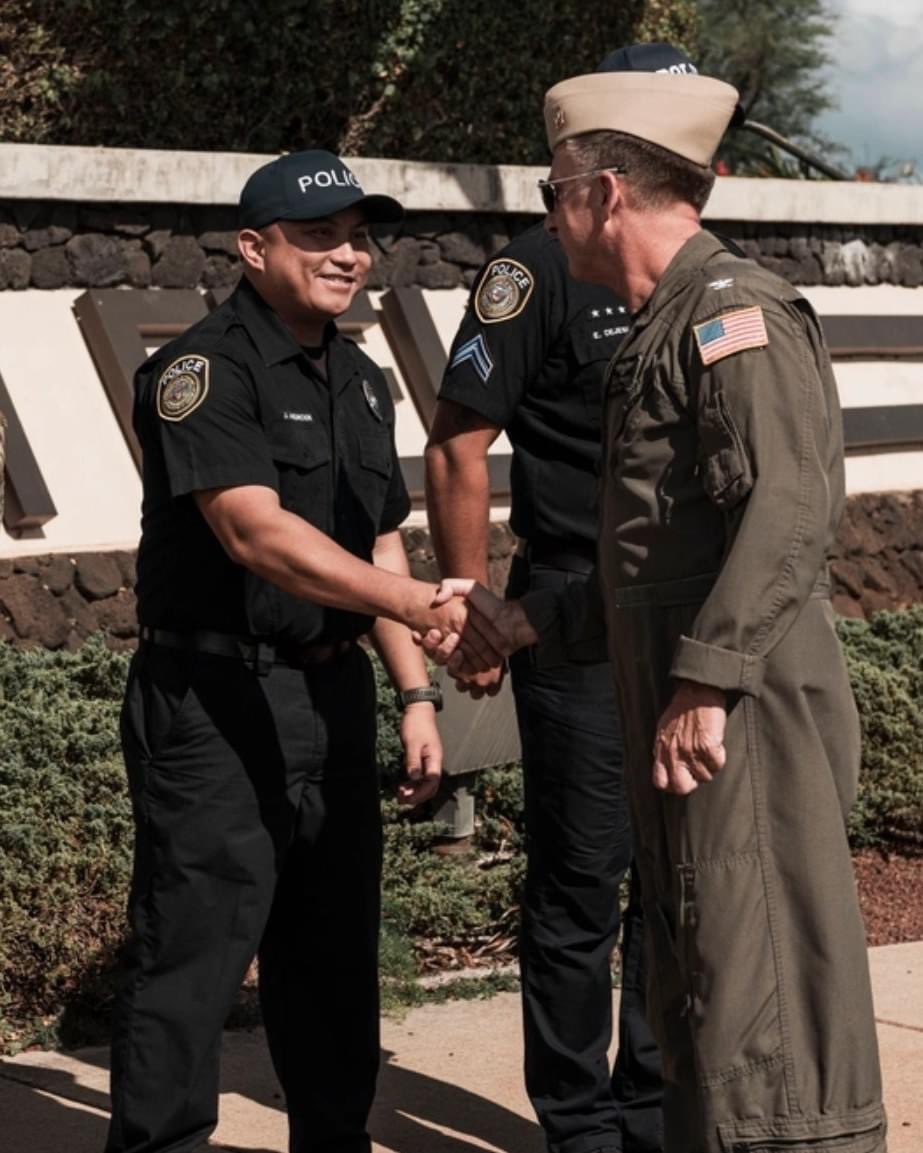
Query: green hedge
{"type": "Point", "coordinates": [65, 826]}
{"type": "Point", "coordinates": [886, 670]}
{"type": "Point", "coordinates": [65, 831]}
{"type": "Point", "coordinates": [419, 79]}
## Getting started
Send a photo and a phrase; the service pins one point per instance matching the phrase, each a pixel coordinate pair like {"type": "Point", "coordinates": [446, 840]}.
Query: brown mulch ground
{"type": "Point", "coordinates": [890, 896]}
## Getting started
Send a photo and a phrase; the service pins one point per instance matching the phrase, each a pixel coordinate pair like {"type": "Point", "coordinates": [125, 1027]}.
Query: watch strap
{"type": "Point", "coordinates": [431, 693]}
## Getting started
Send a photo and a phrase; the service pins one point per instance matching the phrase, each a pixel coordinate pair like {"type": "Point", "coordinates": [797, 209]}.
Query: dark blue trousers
{"type": "Point", "coordinates": [579, 850]}
{"type": "Point", "coordinates": [258, 830]}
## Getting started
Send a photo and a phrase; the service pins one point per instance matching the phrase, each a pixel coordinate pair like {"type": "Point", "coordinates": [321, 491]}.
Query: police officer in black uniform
{"type": "Point", "coordinates": [529, 358]}
{"type": "Point", "coordinates": [272, 498]}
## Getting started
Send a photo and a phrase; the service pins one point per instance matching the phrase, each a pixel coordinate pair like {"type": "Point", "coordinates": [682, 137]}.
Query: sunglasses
{"type": "Point", "coordinates": [549, 191]}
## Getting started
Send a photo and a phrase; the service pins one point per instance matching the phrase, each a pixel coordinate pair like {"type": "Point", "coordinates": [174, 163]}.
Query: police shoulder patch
{"type": "Point", "coordinates": [182, 387]}
{"type": "Point", "coordinates": [733, 331]}
{"type": "Point", "coordinates": [504, 291]}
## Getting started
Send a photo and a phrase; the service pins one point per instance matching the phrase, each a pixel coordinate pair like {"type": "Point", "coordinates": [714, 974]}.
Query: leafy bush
{"type": "Point", "coordinates": [885, 657]}
{"type": "Point", "coordinates": [417, 79]}
{"type": "Point", "coordinates": [65, 833]}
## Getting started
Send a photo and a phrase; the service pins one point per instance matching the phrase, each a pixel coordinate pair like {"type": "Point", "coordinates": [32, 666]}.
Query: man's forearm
{"type": "Point", "coordinates": [403, 660]}
{"type": "Point", "coordinates": [305, 562]}
{"type": "Point", "coordinates": [458, 503]}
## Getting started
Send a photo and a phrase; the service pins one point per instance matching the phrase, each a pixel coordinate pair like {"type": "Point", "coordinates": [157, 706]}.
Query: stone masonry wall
{"type": "Point", "coordinates": [58, 601]}
{"type": "Point", "coordinates": [45, 244]}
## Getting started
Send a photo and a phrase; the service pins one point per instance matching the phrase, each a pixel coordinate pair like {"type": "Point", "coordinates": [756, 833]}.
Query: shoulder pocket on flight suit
{"type": "Point", "coordinates": [726, 473]}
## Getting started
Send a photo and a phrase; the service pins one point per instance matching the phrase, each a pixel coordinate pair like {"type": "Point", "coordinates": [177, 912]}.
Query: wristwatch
{"type": "Point", "coordinates": [430, 692]}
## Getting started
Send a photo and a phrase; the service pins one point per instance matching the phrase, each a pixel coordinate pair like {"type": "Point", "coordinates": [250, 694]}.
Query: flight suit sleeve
{"type": "Point", "coordinates": [503, 340]}
{"type": "Point", "coordinates": [765, 425]}
{"type": "Point", "coordinates": [202, 410]}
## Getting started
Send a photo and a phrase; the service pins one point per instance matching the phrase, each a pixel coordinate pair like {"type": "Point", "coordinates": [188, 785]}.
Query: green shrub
{"type": "Point", "coordinates": [885, 657]}
{"type": "Point", "coordinates": [65, 828]}
{"type": "Point", "coordinates": [66, 831]}
{"type": "Point", "coordinates": [418, 79]}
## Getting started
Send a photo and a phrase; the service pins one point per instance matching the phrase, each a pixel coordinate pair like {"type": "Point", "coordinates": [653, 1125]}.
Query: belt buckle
{"type": "Point", "coordinates": [261, 659]}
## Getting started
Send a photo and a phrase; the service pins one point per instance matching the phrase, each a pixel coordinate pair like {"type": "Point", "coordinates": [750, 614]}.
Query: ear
{"type": "Point", "coordinates": [251, 246]}
{"type": "Point", "coordinates": [610, 192]}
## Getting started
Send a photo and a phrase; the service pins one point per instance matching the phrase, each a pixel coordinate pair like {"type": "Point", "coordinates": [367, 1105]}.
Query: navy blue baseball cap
{"type": "Point", "coordinates": [657, 56]}
{"type": "Point", "coordinates": [306, 186]}
{"type": "Point", "coordinates": [654, 57]}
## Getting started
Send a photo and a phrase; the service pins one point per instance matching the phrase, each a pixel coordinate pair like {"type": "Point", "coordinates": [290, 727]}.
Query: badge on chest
{"type": "Point", "coordinates": [371, 399]}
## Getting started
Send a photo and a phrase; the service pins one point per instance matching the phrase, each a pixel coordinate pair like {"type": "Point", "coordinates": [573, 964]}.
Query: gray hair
{"type": "Point", "coordinates": [655, 177]}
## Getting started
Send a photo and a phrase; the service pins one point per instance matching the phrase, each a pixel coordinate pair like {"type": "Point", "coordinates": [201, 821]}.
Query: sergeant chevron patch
{"type": "Point", "coordinates": [474, 350]}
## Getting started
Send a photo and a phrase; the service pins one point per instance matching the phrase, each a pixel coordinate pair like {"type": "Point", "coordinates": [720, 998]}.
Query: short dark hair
{"type": "Point", "coordinates": [655, 177]}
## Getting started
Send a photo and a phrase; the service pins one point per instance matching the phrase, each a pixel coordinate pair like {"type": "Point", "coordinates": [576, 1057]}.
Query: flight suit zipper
{"type": "Point", "coordinates": [688, 924]}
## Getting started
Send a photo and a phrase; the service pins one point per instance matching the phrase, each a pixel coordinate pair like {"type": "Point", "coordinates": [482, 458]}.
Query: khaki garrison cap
{"type": "Point", "coordinates": [682, 113]}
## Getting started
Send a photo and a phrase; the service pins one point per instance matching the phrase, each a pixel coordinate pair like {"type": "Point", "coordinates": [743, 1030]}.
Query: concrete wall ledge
{"type": "Point", "coordinates": [127, 175]}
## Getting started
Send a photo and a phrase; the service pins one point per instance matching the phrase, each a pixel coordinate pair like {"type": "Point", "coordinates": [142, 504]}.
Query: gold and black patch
{"type": "Point", "coordinates": [182, 387]}
{"type": "Point", "coordinates": [504, 292]}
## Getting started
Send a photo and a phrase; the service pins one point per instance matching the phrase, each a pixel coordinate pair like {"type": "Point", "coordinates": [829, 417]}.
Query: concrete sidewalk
{"type": "Point", "coordinates": [451, 1081]}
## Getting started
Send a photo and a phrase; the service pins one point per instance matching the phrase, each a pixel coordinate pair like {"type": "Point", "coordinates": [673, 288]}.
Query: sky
{"type": "Point", "coordinates": [876, 78]}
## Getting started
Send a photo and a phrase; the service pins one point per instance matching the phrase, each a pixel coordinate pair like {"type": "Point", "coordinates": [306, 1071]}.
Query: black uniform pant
{"type": "Point", "coordinates": [258, 830]}
{"type": "Point", "coordinates": [578, 851]}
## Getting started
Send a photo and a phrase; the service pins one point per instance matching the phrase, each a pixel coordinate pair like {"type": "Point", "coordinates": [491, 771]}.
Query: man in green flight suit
{"type": "Point", "coordinates": [722, 484]}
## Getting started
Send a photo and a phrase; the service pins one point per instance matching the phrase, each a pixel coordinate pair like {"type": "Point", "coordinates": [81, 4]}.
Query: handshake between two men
{"type": "Point", "coordinates": [689, 743]}
{"type": "Point", "coordinates": [490, 631]}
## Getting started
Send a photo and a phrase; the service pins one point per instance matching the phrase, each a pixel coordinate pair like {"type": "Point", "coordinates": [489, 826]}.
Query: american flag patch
{"type": "Point", "coordinates": [732, 332]}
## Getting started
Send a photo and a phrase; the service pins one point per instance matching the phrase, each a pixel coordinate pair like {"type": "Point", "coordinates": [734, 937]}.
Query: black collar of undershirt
{"type": "Point", "coordinates": [272, 339]}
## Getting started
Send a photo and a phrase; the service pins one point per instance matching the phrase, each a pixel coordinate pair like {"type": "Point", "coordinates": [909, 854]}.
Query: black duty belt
{"type": "Point", "coordinates": [261, 655]}
{"type": "Point", "coordinates": [571, 556]}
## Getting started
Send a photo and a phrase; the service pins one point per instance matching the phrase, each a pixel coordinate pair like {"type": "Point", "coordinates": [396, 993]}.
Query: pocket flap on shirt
{"type": "Point", "coordinates": [375, 454]}
{"type": "Point", "coordinates": [298, 446]}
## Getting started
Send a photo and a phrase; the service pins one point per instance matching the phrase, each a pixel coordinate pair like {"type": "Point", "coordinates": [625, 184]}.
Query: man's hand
{"type": "Point", "coordinates": [504, 623]}
{"type": "Point", "coordinates": [449, 615]}
{"type": "Point", "coordinates": [422, 754]}
{"type": "Point", "coordinates": [478, 685]}
{"type": "Point", "coordinates": [689, 746]}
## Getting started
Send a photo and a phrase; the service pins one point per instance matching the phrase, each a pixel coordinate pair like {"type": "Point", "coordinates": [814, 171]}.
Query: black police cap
{"type": "Point", "coordinates": [654, 57]}
{"type": "Point", "coordinates": [306, 186]}
{"type": "Point", "coordinates": [658, 56]}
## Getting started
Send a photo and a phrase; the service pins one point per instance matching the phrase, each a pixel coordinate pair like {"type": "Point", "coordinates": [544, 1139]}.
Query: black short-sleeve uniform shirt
{"type": "Point", "coordinates": [236, 401]}
{"type": "Point", "coordinates": [530, 356]}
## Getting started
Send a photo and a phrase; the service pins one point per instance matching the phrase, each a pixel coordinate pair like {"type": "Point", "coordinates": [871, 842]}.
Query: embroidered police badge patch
{"type": "Point", "coordinates": [182, 387]}
{"type": "Point", "coordinates": [504, 292]}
